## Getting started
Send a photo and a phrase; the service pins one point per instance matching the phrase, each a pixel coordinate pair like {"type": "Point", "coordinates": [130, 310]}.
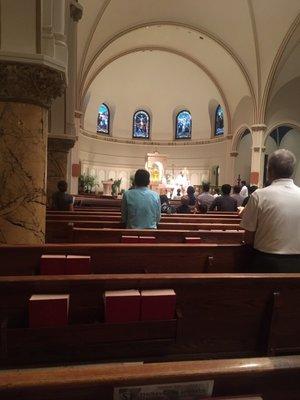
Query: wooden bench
{"type": "Point", "coordinates": [90, 235]}
{"type": "Point", "coordinates": [218, 315]}
{"type": "Point", "coordinates": [164, 219]}
{"type": "Point", "coordinates": [59, 230]}
{"type": "Point", "coordinates": [129, 258]}
{"type": "Point", "coordinates": [275, 378]}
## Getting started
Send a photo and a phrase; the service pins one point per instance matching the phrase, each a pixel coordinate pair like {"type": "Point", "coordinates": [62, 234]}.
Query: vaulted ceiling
{"type": "Point", "coordinates": [248, 49]}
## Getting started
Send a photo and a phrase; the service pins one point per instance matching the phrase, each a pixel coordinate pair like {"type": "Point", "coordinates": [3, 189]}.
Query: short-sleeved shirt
{"type": "Point", "coordinates": [239, 198]}
{"type": "Point", "coordinates": [61, 201]}
{"type": "Point", "coordinates": [244, 191]}
{"type": "Point", "coordinates": [206, 199]}
{"type": "Point", "coordinates": [273, 213]}
{"type": "Point", "coordinates": [224, 203]}
{"type": "Point", "coordinates": [141, 208]}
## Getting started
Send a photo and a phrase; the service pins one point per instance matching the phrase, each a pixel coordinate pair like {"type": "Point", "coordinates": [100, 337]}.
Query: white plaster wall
{"type": "Point", "coordinates": [114, 160]}
{"type": "Point", "coordinates": [243, 159]}
{"type": "Point", "coordinates": [18, 21]}
{"type": "Point", "coordinates": [291, 141]}
{"type": "Point", "coordinates": [158, 82]}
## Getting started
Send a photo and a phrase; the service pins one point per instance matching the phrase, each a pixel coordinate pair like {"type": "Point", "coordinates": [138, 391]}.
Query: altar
{"type": "Point", "coordinates": [163, 182]}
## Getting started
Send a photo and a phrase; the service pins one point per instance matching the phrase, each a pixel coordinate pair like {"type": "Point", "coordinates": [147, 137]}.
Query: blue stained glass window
{"type": "Point", "coordinates": [183, 125]}
{"type": "Point", "coordinates": [103, 119]}
{"type": "Point", "coordinates": [141, 125]}
{"type": "Point", "coordinates": [219, 121]}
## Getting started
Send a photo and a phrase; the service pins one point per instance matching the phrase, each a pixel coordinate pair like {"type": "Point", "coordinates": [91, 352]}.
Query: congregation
{"type": "Point", "coordinates": [149, 202]}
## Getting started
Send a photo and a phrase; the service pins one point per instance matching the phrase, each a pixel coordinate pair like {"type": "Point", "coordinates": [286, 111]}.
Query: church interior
{"type": "Point", "coordinates": [194, 92]}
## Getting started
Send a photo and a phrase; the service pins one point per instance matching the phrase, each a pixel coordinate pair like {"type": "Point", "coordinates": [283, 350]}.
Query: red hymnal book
{"type": "Point", "coordinates": [147, 239]}
{"type": "Point", "coordinates": [48, 310]}
{"type": "Point", "coordinates": [52, 264]}
{"type": "Point", "coordinates": [122, 306]}
{"type": "Point", "coordinates": [129, 239]}
{"type": "Point", "coordinates": [77, 265]}
{"type": "Point", "coordinates": [157, 304]}
{"type": "Point", "coordinates": [193, 240]}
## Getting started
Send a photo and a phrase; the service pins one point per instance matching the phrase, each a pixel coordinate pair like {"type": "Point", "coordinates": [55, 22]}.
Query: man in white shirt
{"type": "Point", "coordinates": [271, 218]}
{"type": "Point", "coordinates": [244, 190]}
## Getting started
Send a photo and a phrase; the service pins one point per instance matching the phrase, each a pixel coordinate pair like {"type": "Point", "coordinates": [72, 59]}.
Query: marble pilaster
{"type": "Point", "coordinates": [57, 167]}
{"type": "Point", "coordinates": [23, 142]}
{"type": "Point", "coordinates": [26, 93]}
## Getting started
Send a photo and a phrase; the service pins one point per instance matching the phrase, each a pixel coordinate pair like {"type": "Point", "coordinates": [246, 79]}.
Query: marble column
{"type": "Point", "coordinates": [26, 92]}
{"type": "Point", "coordinates": [57, 168]}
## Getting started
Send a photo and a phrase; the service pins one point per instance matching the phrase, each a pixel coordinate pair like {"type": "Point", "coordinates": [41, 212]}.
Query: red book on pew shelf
{"type": "Point", "coordinates": [48, 310]}
{"type": "Point", "coordinates": [129, 239]}
{"type": "Point", "coordinates": [122, 306]}
{"type": "Point", "coordinates": [52, 264]}
{"type": "Point", "coordinates": [147, 239]}
{"type": "Point", "coordinates": [157, 304]}
{"type": "Point", "coordinates": [193, 240]}
{"type": "Point", "coordinates": [77, 265]}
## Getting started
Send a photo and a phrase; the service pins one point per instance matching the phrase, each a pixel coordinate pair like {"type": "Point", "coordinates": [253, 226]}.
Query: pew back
{"type": "Point", "coordinates": [274, 378]}
{"type": "Point", "coordinates": [217, 315]}
{"type": "Point", "coordinates": [129, 258]}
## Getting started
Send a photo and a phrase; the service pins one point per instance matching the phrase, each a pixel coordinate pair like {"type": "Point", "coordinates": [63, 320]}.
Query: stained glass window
{"type": "Point", "coordinates": [103, 119]}
{"type": "Point", "coordinates": [219, 121]}
{"type": "Point", "coordinates": [183, 125]}
{"type": "Point", "coordinates": [141, 125]}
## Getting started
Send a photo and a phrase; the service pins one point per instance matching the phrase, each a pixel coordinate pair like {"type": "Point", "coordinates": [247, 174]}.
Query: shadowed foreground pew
{"type": "Point", "coordinates": [218, 315]}
{"type": "Point", "coordinates": [275, 378]}
{"type": "Point", "coordinates": [130, 258]}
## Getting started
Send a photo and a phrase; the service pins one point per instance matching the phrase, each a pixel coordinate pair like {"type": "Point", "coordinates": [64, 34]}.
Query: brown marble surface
{"type": "Point", "coordinates": [56, 171]}
{"type": "Point", "coordinates": [57, 163]}
{"type": "Point", "coordinates": [23, 142]}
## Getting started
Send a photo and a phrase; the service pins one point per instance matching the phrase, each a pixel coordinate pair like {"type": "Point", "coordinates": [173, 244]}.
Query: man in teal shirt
{"type": "Point", "coordinates": [141, 206]}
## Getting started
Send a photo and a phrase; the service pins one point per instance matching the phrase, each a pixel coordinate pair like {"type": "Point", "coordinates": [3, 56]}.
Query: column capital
{"type": "Point", "coordinates": [30, 83]}
{"type": "Point", "coordinates": [78, 114]}
{"type": "Point", "coordinates": [259, 127]}
{"type": "Point", "coordinates": [76, 10]}
{"type": "Point", "coordinates": [234, 154]}
{"type": "Point", "coordinates": [61, 143]}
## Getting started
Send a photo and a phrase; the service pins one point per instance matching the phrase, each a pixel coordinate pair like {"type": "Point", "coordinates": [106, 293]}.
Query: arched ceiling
{"type": "Point", "coordinates": [162, 83]}
{"type": "Point", "coordinates": [239, 44]}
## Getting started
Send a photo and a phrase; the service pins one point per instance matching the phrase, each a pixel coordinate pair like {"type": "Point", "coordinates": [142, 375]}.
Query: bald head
{"type": "Point", "coordinates": [281, 164]}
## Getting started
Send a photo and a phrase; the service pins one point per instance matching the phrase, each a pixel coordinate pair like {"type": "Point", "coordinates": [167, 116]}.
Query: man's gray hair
{"type": "Point", "coordinates": [282, 163]}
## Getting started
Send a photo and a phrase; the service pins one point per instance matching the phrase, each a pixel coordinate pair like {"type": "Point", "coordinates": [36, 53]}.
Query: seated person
{"type": "Point", "coordinates": [166, 207]}
{"type": "Point", "coordinates": [178, 195]}
{"type": "Point", "coordinates": [184, 207]}
{"type": "Point", "coordinates": [140, 206]}
{"type": "Point", "coordinates": [191, 195]}
{"type": "Point", "coordinates": [201, 208]}
{"type": "Point", "coordinates": [61, 200]}
{"type": "Point", "coordinates": [216, 192]}
{"type": "Point", "coordinates": [236, 195]}
{"type": "Point", "coordinates": [224, 202]}
{"type": "Point", "coordinates": [205, 198]}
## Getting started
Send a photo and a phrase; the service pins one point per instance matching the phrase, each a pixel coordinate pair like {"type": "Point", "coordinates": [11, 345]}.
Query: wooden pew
{"type": "Point", "coordinates": [164, 219]}
{"type": "Point", "coordinates": [218, 315]}
{"type": "Point", "coordinates": [275, 378]}
{"type": "Point", "coordinates": [116, 212]}
{"type": "Point", "coordinates": [90, 235]}
{"type": "Point", "coordinates": [129, 258]}
{"type": "Point", "coordinates": [59, 230]}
